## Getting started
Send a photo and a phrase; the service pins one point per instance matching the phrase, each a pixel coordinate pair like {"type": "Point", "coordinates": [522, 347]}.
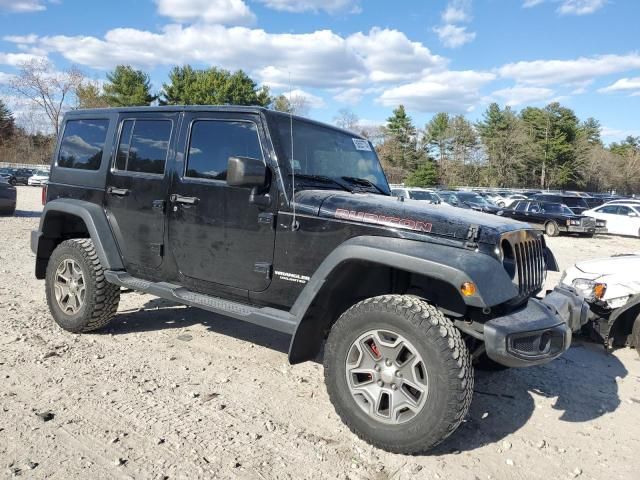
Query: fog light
{"type": "Point", "coordinates": [468, 289]}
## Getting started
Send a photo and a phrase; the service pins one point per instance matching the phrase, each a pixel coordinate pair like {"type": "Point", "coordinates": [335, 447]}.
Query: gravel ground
{"type": "Point", "coordinates": [174, 392]}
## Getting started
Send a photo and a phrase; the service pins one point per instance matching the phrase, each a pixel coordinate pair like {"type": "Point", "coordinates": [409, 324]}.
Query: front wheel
{"type": "Point", "coordinates": [398, 373]}
{"type": "Point", "coordinates": [635, 334]}
{"type": "Point", "coordinates": [80, 298]}
{"type": "Point", "coordinates": [552, 229]}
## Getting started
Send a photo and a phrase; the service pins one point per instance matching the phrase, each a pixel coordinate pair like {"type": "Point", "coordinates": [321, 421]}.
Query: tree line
{"type": "Point", "coordinates": [546, 147]}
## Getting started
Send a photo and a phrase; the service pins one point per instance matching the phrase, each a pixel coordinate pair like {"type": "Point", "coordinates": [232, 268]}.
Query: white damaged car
{"type": "Point", "coordinates": [611, 286]}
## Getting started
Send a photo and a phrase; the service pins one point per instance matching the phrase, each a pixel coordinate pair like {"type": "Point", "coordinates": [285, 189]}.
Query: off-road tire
{"type": "Point", "coordinates": [447, 362]}
{"type": "Point", "coordinates": [101, 297]}
{"type": "Point", "coordinates": [551, 229]}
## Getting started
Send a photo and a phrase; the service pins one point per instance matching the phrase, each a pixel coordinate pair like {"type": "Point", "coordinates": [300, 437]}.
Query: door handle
{"type": "Point", "coordinates": [120, 192]}
{"type": "Point", "coordinates": [184, 200]}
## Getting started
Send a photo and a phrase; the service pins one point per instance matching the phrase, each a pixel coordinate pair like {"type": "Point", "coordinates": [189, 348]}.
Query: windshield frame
{"type": "Point", "coordinates": [281, 146]}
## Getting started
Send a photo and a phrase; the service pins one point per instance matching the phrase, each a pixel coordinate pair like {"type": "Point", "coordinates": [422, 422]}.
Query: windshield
{"type": "Point", "coordinates": [472, 198]}
{"type": "Point", "coordinates": [421, 195]}
{"type": "Point", "coordinates": [326, 152]}
{"type": "Point", "coordinates": [448, 197]}
{"type": "Point", "coordinates": [41, 173]}
{"type": "Point", "coordinates": [556, 208]}
{"type": "Point", "coordinates": [575, 202]}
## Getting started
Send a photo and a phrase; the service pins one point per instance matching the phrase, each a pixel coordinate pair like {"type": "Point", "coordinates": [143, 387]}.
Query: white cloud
{"type": "Point", "coordinates": [234, 12]}
{"type": "Point", "coordinates": [580, 70]}
{"type": "Point", "coordinates": [22, 6]}
{"type": "Point", "coordinates": [5, 78]}
{"type": "Point", "coordinates": [580, 7]}
{"type": "Point", "coordinates": [350, 96]}
{"type": "Point", "coordinates": [623, 85]}
{"type": "Point", "coordinates": [571, 7]}
{"type": "Point", "coordinates": [615, 134]}
{"type": "Point", "coordinates": [329, 6]}
{"type": "Point", "coordinates": [453, 36]}
{"type": "Point", "coordinates": [313, 101]}
{"type": "Point", "coordinates": [317, 59]}
{"type": "Point", "coordinates": [522, 95]}
{"type": "Point", "coordinates": [23, 39]}
{"type": "Point", "coordinates": [450, 34]}
{"type": "Point", "coordinates": [452, 91]}
{"type": "Point", "coordinates": [17, 59]}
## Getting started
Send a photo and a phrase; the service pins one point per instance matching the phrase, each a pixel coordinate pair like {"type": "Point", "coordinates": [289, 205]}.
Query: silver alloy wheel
{"type": "Point", "coordinates": [69, 286]}
{"type": "Point", "coordinates": [387, 376]}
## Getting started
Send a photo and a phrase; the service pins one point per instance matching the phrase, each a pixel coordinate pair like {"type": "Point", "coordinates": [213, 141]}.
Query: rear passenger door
{"type": "Point", "coordinates": [137, 190]}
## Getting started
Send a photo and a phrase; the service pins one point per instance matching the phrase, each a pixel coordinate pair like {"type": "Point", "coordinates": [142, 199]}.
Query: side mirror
{"type": "Point", "coordinates": [246, 172]}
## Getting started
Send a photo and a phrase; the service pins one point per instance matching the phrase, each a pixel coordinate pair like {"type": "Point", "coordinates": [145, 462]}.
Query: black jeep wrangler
{"type": "Point", "coordinates": [289, 224]}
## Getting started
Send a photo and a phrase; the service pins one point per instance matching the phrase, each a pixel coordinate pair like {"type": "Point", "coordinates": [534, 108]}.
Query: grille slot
{"type": "Point", "coordinates": [588, 222]}
{"type": "Point", "coordinates": [529, 261]}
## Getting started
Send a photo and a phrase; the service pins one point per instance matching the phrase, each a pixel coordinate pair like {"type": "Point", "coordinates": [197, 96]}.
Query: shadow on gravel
{"type": "Point", "coordinates": [582, 384]}
{"type": "Point", "coordinates": [27, 213]}
{"type": "Point", "coordinates": [160, 314]}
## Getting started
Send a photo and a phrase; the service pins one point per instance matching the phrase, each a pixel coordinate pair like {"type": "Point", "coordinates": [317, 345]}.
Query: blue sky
{"type": "Point", "coordinates": [366, 55]}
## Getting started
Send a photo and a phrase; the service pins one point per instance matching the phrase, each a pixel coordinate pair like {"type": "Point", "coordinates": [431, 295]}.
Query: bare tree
{"type": "Point", "coordinates": [50, 90]}
{"type": "Point", "coordinates": [347, 119]}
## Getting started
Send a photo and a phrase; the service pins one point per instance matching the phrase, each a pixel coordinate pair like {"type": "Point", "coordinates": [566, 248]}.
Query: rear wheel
{"type": "Point", "coordinates": [552, 229]}
{"type": "Point", "coordinates": [398, 373]}
{"type": "Point", "coordinates": [79, 297]}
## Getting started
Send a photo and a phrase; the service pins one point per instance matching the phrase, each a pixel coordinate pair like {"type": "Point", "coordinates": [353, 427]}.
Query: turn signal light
{"type": "Point", "coordinates": [599, 289]}
{"type": "Point", "coordinates": [468, 289]}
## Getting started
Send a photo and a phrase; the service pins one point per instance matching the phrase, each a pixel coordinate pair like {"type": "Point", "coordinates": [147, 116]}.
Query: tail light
{"type": "Point", "coordinates": [44, 194]}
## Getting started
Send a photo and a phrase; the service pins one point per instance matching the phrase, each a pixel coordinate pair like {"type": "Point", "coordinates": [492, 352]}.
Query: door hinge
{"type": "Point", "coordinates": [156, 249]}
{"type": "Point", "coordinates": [264, 268]}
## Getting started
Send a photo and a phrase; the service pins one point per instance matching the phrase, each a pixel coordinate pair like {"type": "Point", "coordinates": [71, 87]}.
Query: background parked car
{"type": "Point", "coordinates": [7, 174]}
{"type": "Point", "coordinates": [575, 203]}
{"type": "Point", "coordinates": [22, 175]}
{"type": "Point", "coordinates": [553, 218]}
{"type": "Point", "coordinates": [622, 219]}
{"type": "Point", "coordinates": [39, 177]}
{"type": "Point", "coordinates": [416, 194]}
{"type": "Point", "coordinates": [7, 198]}
{"type": "Point", "coordinates": [611, 287]}
{"type": "Point", "coordinates": [475, 202]}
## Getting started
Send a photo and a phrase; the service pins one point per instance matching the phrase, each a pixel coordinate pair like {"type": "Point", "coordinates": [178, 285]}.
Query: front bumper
{"type": "Point", "coordinates": [537, 333]}
{"type": "Point", "coordinates": [580, 229]}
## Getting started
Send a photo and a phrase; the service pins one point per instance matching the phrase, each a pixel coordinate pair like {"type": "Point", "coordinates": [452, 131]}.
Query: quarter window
{"type": "Point", "coordinates": [214, 141]}
{"type": "Point", "coordinates": [82, 144]}
{"type": "Point", "coordinates": [143, 146]}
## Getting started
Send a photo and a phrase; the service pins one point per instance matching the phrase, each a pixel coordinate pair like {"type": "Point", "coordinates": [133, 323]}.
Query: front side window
{"type": "Point", "coordinates": [143, 146]}
{"type": "Point", "coordinates": [82, 144]}
{"type": "Point", "coordinates": [611, 209]}
{"type": "Point", "coordinates": [522, 206]}
{"type": "Point", "coordinates": [534, 207]}
{"type": "Point", "coordinates": [214, 141]}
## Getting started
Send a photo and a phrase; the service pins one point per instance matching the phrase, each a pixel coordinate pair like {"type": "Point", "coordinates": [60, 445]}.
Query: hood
{"type": "Point", "coordinates": [611, 265]}
{"type": "Point", "coordinates": [413, 215]}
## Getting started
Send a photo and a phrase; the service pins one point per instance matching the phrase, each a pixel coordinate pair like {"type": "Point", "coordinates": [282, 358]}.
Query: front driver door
{"type": "Point", "coordinates": [217, 235]}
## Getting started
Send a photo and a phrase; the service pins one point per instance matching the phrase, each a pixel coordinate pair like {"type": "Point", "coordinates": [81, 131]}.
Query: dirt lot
{"type": "Point", "coordinates": [174, 392]}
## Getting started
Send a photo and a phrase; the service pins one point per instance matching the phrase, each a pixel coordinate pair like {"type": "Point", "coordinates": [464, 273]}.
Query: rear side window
{"type": "Point", "coordinates": [82, 144]}
{"type": "Point", "coordinates": [143, 146]}
{"type": "Point", "coordinates": [214, 141]}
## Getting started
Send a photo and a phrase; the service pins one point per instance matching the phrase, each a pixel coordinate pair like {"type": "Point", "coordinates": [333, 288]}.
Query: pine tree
{"type": "Point", "coordinates": [7, 123]}
{"type": "Point", "coordinates": [426, 175]}
{"type": "Point", "coordinates": [401, 143]}
{"type": "Point", "coordinates": [127, 87]}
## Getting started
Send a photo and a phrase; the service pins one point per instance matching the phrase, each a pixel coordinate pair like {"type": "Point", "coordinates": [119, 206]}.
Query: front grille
{"type": "Point", "coordinates": [526, 263]}
{"type": "Point", "coordinates": [588, 222]}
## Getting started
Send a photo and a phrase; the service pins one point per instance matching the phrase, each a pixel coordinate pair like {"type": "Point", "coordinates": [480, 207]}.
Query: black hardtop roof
{"type": "Point", "coordinates": [205, 108]}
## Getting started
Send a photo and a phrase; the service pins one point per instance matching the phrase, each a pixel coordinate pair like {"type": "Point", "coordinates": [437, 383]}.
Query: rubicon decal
{"type": "Point", "coordinates": [383, 220]}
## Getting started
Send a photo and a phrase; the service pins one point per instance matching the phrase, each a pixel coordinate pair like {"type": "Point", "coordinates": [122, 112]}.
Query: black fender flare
{"type": "Point", "coordinates": [94, 218]}
{"type": "Point", "coordinates": [450, 264]}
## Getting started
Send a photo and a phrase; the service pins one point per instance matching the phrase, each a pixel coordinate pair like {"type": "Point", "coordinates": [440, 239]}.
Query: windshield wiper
{"type": "Point", "coordinates": [322, 179]}
{"type": "Point", "coordinates": [365, 182]}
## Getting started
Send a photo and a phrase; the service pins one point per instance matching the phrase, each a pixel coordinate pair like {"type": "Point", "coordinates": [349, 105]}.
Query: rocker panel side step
{"type": "Point", "coordinates": [271, 318]}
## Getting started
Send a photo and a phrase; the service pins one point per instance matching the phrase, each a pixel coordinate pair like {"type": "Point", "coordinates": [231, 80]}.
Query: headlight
{"type": "Point", "coordinates": [589, 289]}
{"type": "Point", "coordinates": [575, 222]}
{"type": "Point", "coordinates": [601, 223]}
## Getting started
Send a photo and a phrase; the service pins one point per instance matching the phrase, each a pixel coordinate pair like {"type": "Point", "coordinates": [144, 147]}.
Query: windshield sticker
{"type": "Point", "coordinates": [361, 144]}
{"type": "Point", "coordinates": [408, 223]}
